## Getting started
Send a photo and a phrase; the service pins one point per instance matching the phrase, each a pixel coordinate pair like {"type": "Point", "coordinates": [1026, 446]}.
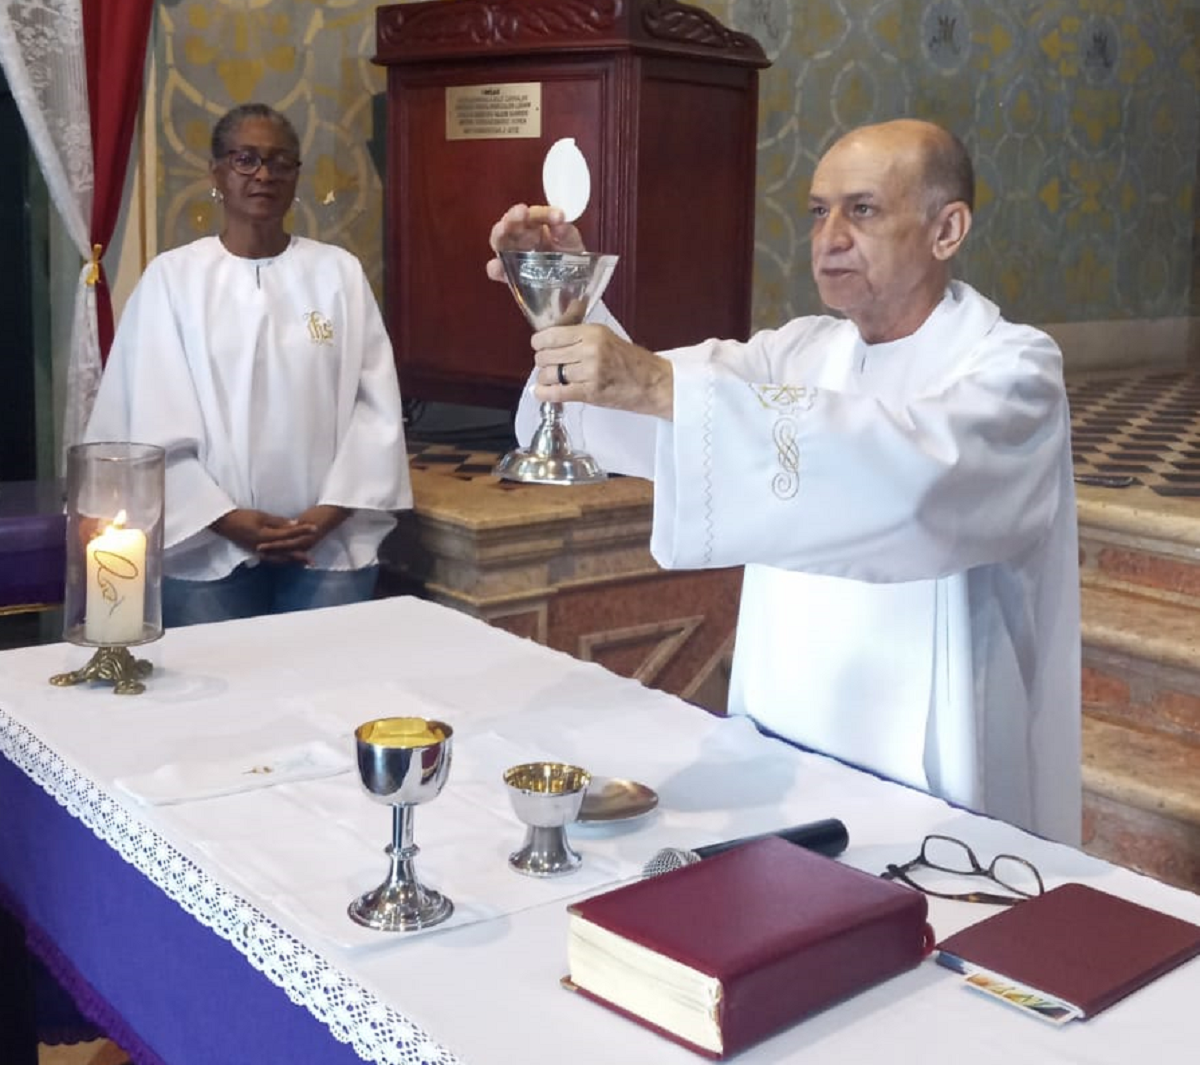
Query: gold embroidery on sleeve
{"type": "Point", "coordinates": [790, 398]}
{"type": "Point", "coordinates": [786, 483]}
{"type": "Point", "coordinates": [786, 400]}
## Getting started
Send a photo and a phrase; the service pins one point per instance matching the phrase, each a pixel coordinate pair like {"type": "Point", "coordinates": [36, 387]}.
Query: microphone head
{"type": "Point", "coordinates": [668, 860]}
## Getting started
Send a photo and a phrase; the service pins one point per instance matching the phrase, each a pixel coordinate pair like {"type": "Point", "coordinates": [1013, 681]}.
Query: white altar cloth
{"type": "Point", "coordinates": [272, 869]}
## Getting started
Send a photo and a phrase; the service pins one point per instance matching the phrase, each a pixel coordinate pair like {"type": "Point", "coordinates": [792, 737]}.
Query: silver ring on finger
{"type": "Point", "coordinates": [562, 375]}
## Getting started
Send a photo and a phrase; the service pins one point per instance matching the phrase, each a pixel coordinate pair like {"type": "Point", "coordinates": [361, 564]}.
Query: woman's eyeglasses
{"type": "Point", "coordinates": [949, 855]}
{"type": "Point", "coordinates": [247, 162]}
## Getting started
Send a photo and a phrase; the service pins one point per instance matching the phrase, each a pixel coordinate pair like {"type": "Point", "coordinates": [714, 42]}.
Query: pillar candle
{"type": "Point", "coordinates": [116, 585]}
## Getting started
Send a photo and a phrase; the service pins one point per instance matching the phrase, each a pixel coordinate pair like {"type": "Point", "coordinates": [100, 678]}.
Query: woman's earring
{"type": "Point", "coordinates": [215, 193]}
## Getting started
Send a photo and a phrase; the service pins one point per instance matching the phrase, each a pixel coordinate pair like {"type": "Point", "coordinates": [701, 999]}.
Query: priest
{"type": "Point", "coordinates": [896, 479]}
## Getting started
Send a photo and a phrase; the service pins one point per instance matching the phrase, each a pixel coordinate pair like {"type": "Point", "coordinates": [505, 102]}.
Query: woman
{"type": "Point", "coordinates": [259, 361]}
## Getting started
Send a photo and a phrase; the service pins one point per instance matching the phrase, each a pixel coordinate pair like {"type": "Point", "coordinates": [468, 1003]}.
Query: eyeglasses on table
{"type": "Point", "coordinates": [946, 854]}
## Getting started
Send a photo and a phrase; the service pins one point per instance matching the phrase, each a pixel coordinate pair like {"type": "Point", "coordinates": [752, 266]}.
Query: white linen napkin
{"type": "Point", "coordinates": [178, 782]}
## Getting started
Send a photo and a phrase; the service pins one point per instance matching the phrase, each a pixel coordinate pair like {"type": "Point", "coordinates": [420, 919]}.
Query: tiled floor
{"type": "Point", "coordinates": [1138, 430]}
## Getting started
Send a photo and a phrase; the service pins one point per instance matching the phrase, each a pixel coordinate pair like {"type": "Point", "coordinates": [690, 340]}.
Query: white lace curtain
{"type": "Point", "coordinates": [42, 53]}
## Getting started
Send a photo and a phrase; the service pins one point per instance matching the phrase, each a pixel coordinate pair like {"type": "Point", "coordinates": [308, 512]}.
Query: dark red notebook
{"type": "Point", "coordinates": [1077, 944]}
{"type": "Point", "coordinates": [723, 953]}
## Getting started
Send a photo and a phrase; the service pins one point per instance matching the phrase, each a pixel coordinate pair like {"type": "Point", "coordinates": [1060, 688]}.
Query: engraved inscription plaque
{"type": "Point", "coordinates": [492, 112]}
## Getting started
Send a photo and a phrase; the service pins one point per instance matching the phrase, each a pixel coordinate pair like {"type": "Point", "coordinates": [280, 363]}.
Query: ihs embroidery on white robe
{"type": "Point", "coordinates": [906, 515]}
{"type": "Point", "coordinates": [271, 384]}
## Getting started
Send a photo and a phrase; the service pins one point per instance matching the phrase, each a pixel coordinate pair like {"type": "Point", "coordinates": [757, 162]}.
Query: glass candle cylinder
{"type": "Point", "coordinates": [113, 593]}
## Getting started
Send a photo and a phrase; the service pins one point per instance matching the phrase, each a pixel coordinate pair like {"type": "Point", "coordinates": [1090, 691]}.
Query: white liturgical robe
{"type": "Point", "coordinates": [906, 515]}
{"type": "Point", "coordinates": [271, 385]}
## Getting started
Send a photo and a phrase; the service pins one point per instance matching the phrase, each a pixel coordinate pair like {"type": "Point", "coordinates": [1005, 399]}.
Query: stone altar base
{"type": "Point", "coordinates": [567, 566]}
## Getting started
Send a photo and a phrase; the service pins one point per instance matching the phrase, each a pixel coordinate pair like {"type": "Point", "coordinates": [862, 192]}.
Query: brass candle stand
{"type": "Point", "coordinates": [111, 665]}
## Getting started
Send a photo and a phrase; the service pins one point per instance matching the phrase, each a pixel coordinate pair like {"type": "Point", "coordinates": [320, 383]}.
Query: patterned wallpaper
{"type": "Point", "coordinates": [309, 59]}
{"type": "Point", "coordinates": [1081, 115]}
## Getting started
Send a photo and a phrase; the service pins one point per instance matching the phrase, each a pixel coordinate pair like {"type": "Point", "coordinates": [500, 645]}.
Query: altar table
{"type": "Point", "coordinates": [213, 932]}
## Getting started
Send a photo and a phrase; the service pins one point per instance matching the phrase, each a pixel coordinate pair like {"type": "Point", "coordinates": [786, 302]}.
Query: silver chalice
{"type": "Point", "coordinates": [554, 288]}
{"type": "Point", "coordinates": [402, 762]}
{"type": "Point", "coordinates": [546, 796]}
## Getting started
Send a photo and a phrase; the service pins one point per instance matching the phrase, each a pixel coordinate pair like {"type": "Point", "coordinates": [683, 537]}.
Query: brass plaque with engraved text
{"type": "Point", "coordinates": [494, 112]}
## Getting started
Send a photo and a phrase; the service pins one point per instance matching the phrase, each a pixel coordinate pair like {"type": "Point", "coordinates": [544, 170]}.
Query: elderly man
{"type": "Point", "coordinates": [897, 482]}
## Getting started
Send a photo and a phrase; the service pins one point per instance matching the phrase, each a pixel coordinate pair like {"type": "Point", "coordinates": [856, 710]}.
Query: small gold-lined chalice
{"type": "Point", "coordinates": [546, 796]}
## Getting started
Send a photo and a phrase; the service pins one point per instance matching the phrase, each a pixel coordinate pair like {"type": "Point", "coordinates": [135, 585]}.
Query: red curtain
{"type": "Point", "coordinates": [115, 36]}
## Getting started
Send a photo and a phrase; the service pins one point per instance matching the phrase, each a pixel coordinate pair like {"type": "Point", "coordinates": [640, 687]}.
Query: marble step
{"type": "Point", "coordinates": [1140, 542]}
{"type": "Point", "coordinates": [1141, 731]}
{"type": "Point", "coordinates": [1141, 661]}
{"type": "Point", "coordinates": [1141, 800]}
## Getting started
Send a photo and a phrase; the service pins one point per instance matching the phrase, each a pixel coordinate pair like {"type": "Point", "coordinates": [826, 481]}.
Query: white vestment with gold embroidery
{"type": "Point", "coordinates": [271, 384]}
{"type": "Point", "coordinates": [906, 516]}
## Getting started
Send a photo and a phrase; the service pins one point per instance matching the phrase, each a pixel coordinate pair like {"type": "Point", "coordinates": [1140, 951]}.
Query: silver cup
{"type": "Point", "coordinates": [554, 288]}
{"type": "Point", "coordinates": [402, 762]}
{"type": "Point", "coordinates": [546, 796]}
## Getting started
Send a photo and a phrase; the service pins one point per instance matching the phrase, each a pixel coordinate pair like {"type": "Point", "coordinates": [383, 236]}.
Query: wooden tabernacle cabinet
{"type": "Point", "coordinates": [660, 97]}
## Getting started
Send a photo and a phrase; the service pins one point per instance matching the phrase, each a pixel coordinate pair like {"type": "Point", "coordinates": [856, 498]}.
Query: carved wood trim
{"type": "Point", "coordinates": [480, 23]}
{"type": "Point", "coordinates": [672, 21]}
{"type": "Point", "coordinates": [420, 32]}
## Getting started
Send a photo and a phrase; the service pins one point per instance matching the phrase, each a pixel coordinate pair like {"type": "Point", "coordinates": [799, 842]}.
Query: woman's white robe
{"type": "Point", "coordinates": [272, 386]}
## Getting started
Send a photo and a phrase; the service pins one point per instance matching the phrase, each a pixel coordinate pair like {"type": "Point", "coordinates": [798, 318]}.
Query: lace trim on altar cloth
{"type": "Point", "coordinates": [352, 1014]}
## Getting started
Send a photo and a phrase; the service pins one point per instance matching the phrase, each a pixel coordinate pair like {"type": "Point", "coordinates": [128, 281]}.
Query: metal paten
{"type": "Point", "coordinates": [546, 796]}
{"type": "Point", "coordinates": [554, 288]}
{"type": "Point", "coordinates": [612, 799]}
{"type": "Point", "coordinates": [402, 762]}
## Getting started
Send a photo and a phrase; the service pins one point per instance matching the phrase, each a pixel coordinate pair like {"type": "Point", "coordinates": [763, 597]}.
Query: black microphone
{"type": "Point", "coordinates": [826, 837]}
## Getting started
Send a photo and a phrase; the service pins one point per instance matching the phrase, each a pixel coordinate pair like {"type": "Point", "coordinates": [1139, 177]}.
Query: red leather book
{"type": "Point", "coordinates": [723, 953]}
{"type": "Point", "coordinates": [1077, 944]}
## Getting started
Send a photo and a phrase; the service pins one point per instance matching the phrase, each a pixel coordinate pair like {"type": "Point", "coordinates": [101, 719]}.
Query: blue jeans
{"type": "Point", "coordinates": [267, 588]}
